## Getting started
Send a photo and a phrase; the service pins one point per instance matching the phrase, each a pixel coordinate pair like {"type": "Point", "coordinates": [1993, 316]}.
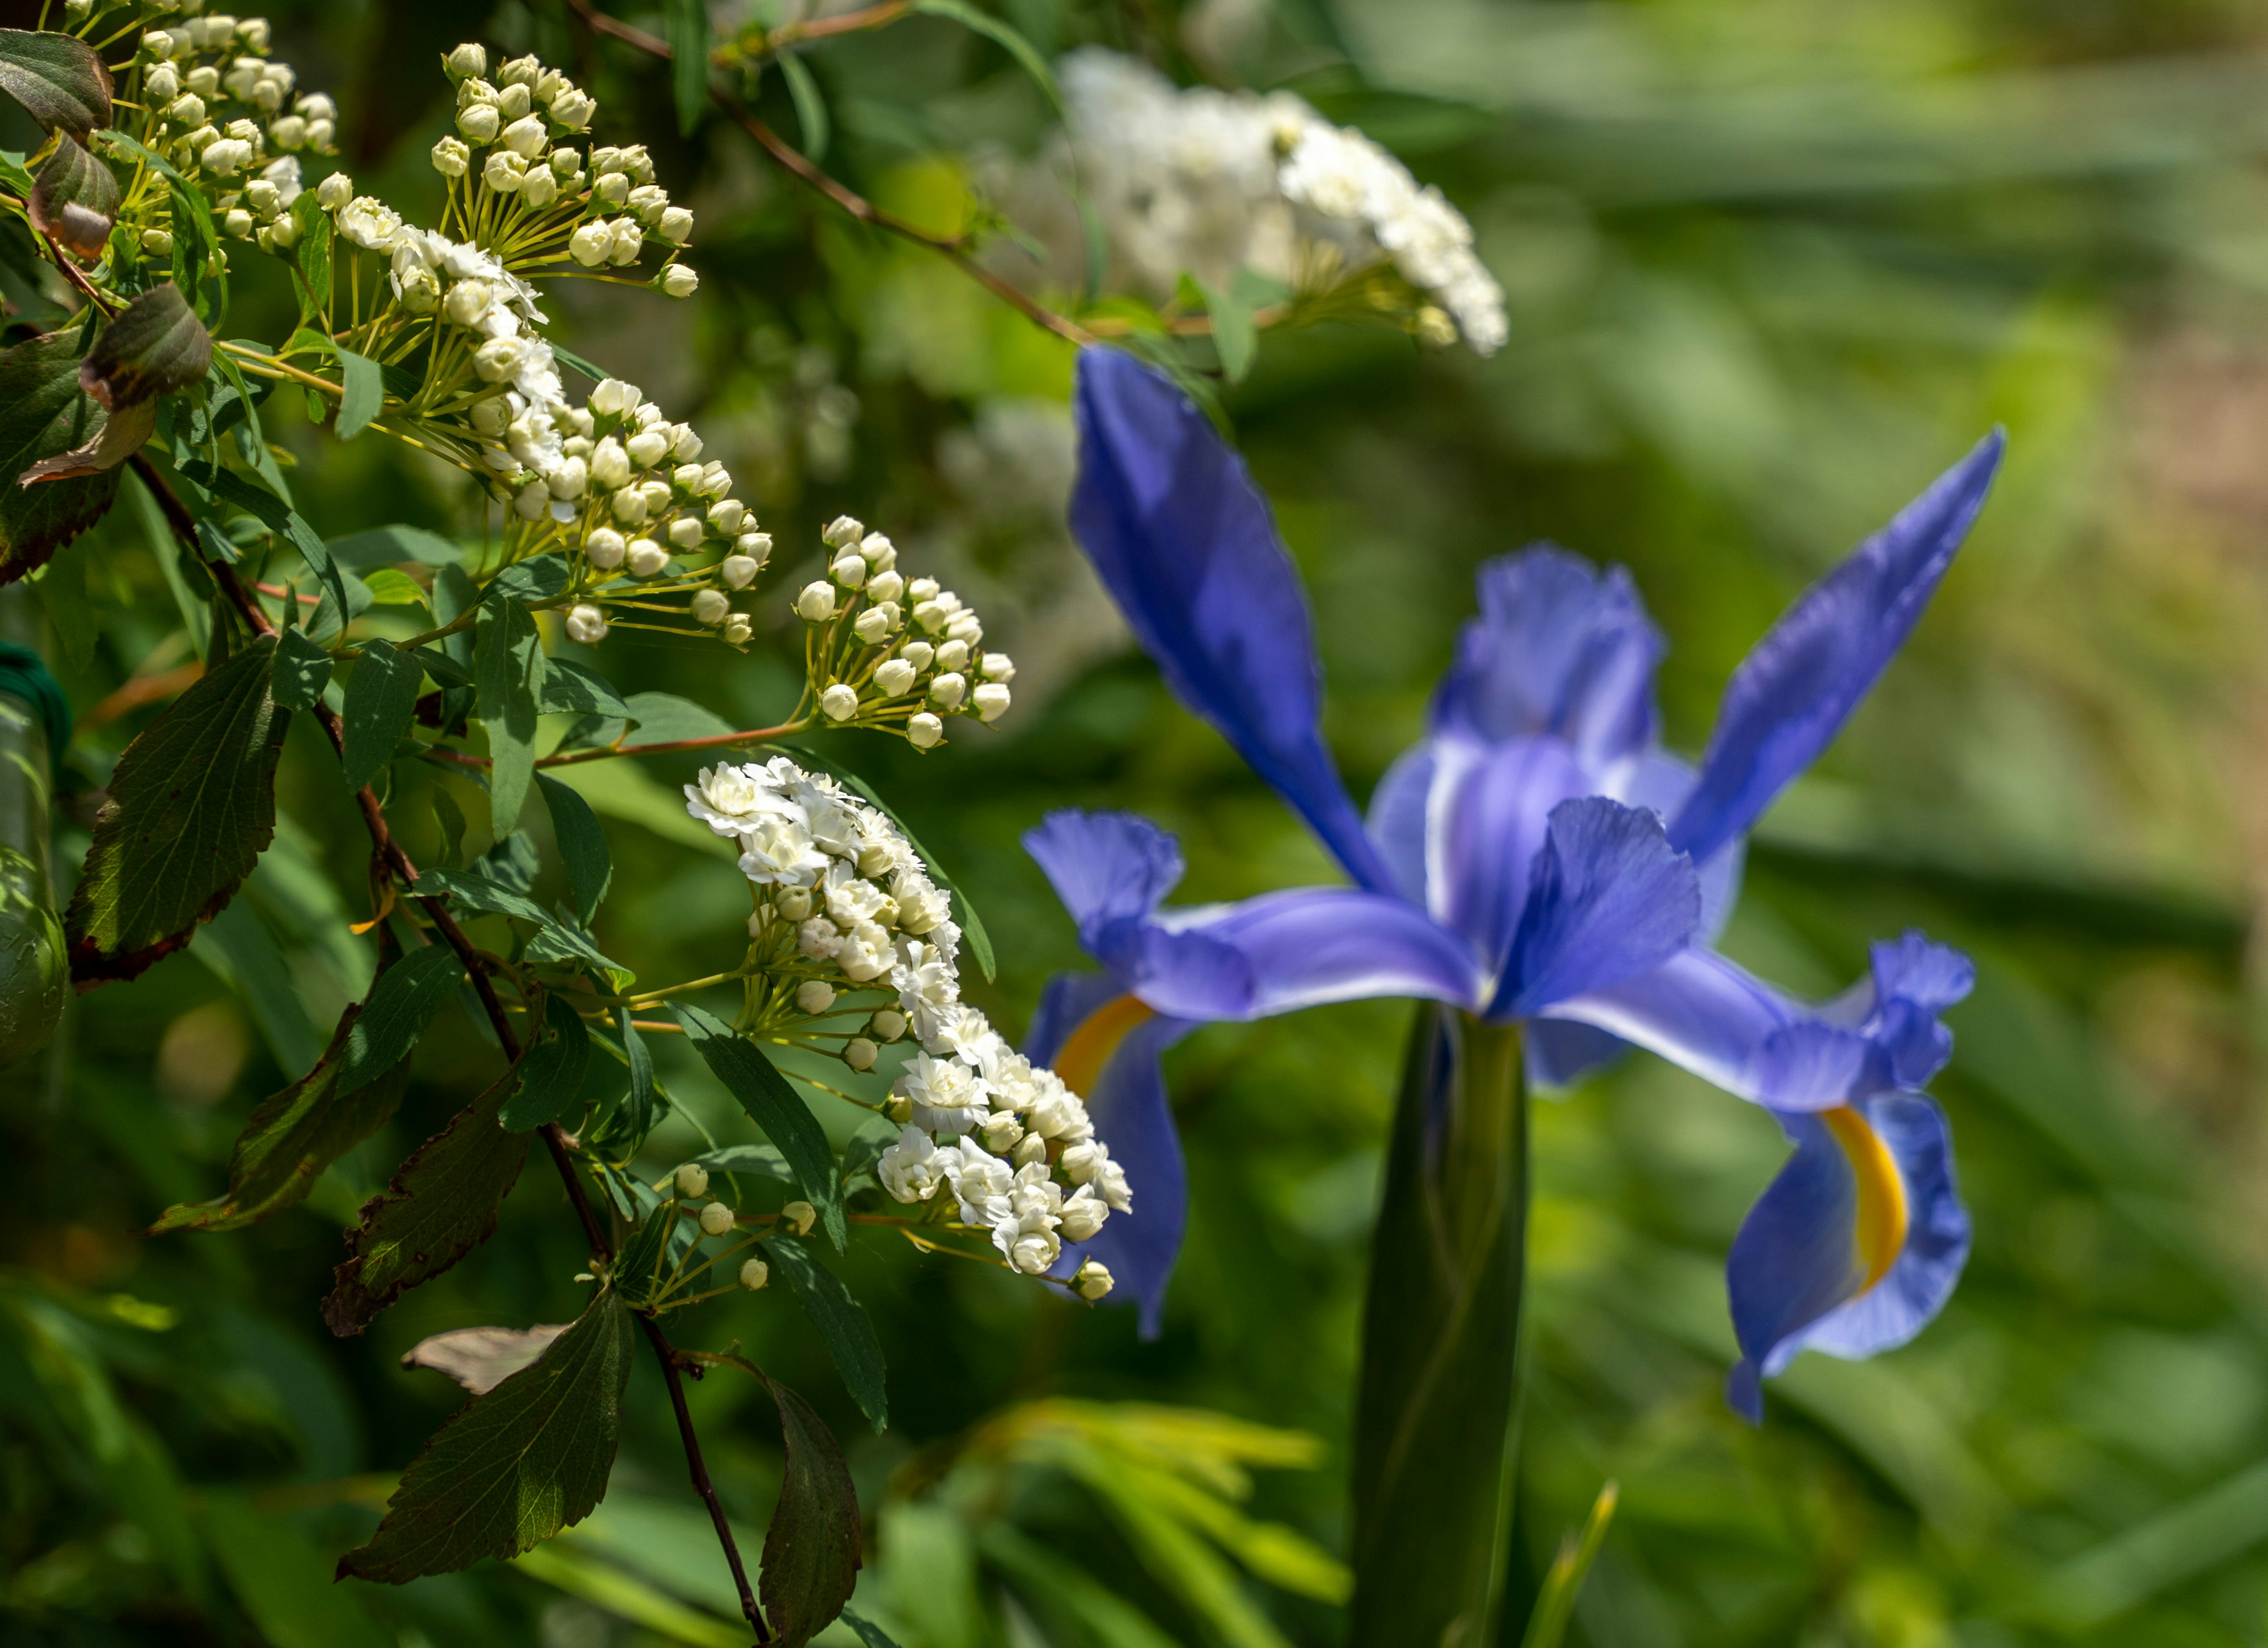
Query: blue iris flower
{"type": "Point", "coordinates": [1538, 858]}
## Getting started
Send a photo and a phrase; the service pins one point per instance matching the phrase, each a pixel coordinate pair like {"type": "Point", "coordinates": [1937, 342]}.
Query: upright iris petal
{"type": "Point", "coordinates": [1187, 546]}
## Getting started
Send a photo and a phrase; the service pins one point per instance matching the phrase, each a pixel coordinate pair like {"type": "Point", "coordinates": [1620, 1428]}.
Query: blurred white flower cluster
{"type": "Point", "coordinates": [892, 653]}
{"type": "Point", "coordinates": [1208, 181]}
{"type": "Point", "coordinates": [845, 908]}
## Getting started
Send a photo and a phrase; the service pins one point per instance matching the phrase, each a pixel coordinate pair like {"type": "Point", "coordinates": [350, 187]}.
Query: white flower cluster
{"type": "Point", "coordinates": [895, 652]}
{"type": "Point", "coordinates": [227, 112]}
{"type": "Point", "coordinates": [843, 898]}
{"type": "Point", "coordinates": [1208, 181]}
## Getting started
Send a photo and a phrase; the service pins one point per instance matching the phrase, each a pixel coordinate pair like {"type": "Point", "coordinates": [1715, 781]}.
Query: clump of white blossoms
{"type": "Point", "coordinates": [849, 929]}
{"type": "Point", "coordinates": [1209, 182]}
{"type": "Point", "coordinates": [882, 651]}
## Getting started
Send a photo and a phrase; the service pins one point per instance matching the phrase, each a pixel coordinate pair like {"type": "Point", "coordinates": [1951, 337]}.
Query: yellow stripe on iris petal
{"type": "Point", "coordinates": [1879, 1222]}
{"type": "Point", "coordinates": [1088, 1048]}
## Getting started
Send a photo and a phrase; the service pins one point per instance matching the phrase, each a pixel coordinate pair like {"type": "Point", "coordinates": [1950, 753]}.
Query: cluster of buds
{"type": "Point", "coordinates": [888, 652]}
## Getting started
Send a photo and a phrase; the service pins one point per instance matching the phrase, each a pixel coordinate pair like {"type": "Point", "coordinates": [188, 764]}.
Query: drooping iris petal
{"type": "Point", "coordinates": [1610, 900]}
{"type": "Point", "coordinates": [1485, 822]}
{"type": "Point", "coordinates": [1792, 693]}
{"type": "Point", "coordinates": [1318, 944]}
{"type": "Point", "coordinates": [1106, 1047]}
{"type": "Point", "coordinates": [1915, 980]}
{"type": "Point", "coordinates": [1854, 1244]}
{"type": "Point", "coordinates": [1559, 648]}
{"type": "Point", "coordinates": [1187, 546]}
{"type": "Point", "coordinates": [1105, 866]}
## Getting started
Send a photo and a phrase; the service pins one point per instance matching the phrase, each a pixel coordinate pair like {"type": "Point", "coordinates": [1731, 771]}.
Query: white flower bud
{"type": "Point", "coordinates": [889, 1023]}
{"type": "Point", "coordinates": [685, 532]}
{"type": "Point", "coordinates": [319, 133]}
{"type": "Point", "coordinates": [991, 701]}
{"type": "Point", "coordinates": [711, 607]}
{"type": "Point", "coordinates": [187, 111]}
{"type": "Point", "coordinates": [527, 137]}
{"type": "Point", "coordinates": [503, 171]}
{"type": "Point", "coordinates": [520, 71]}
{"type": "Point", "coordinates": [514, 101]}
{"type": "Point", "coordinates": [614, 398]}
{"type": "Point", "coordinates": [946, 691]}
{"type": "Point", "coordinates": [921, 589]}
{"type": "Point", "coordinates": [896, 678]}
{"type": "Point", "coordinates": [656, 494]}
{"type": "Point", "coordinates": [570, 480]}
{"type": "Point", "coordinates": [755, 544]}
{"type": "Point", "coordinates": [479, 121]}
{"type": "Point", "coordinates": [604, 548]}
{"type": "Point", "coordinates": [158, 242]}
{"type": "Point", "coordinates": [161, 84]}
{"type": "Point", "coordinates": [715, 1219]}
{"type": "Point", "coordinates": [538, 189]}
{"type": "Point", "coordinates": [228, 157]}
{"type": "Point", "coordinates": [801, 1217]}
{"type": "Point", "coordinates": [715, 481]}
{"type": "Point", "coordinates": [816, 602]}
{"type": "Point", "coordinates": [573, 109]}
{"type": "Point", "coordinates": [451, 158]}
{"type": "Point", "coordinates": [1033, 1149]}
{"type": "Point", "coordinates": [468, 62]}
{"type": "Point", "coordinates": [843, 533]}
{"type": "Point", "coordinates": [872, 626]}
{"type": "Point", "coordinates": [998, 666]}
{"type": "Point", "coordinates": [236, 221]}
{"type": "Point", "coordinates": [952, 656]}
{"type": "Point", "coordinates": [589, 244]}
{"type": "Point", "coordinates": [849, 570]}
{"type": "Point", "coordinates": [469, 301]}
{"type": "Point", "coordinates": [497, 359]}
{"type": "Point", "coordinates": [489, 417]}
{"type": "Point", "coordinates": [1001, 1130]}
{"type": "Point", "coordinates": [727, 515]}
{"type": "Point", "coordinates": [334, 191]}
{"type": "Point", "coordinates": [533, 502]}
{"type": "Point", "coordinates": [886, 586]}
{"type": "Point", "coordinates": [627, 242]}
{"type": "Point", "coordinates": [692, 1181]}
{"type": "Point", "coordinates": [203, 79]}
{"type": "Point", "coordinates": [648, 447]}
{"type": "Point", "coordinates": [646, 557]}
{"type": "Point", "coordinates": [610, 465]}
{"type": "Point", "coordinates": [920, 654]}
{"type": "Point", "coordinates": [284, 233]}
{"type": "Point", "coordinates": [899, 1108]}
{"type": "Point", "coordinates": [629, 505]}
{"type": "Point", "coordinates": [838, 703]}
{"type": "Point", "coordinates": [814, 995]}
{"type": "Point", "coordinates": [288, 131]}
{"type": "Point", "coordinates": [754, 1274]}
{"type": "Point", "coordinates": [678, 281]}
{"type": "Point", "coordinates": [611, 191]}
{"type": "Point", "coordinates": [795, 904]}
{"type": "Point", "coordinates": [924, 730]}
{"type": "Point", "coordinates": [1093, 1280]}
{"type": "Point", "coordinates": [587, 624]}
{"type": "Point", "coordinates": [686, 477]}
{"type": "Point", "coordinates": [647, 201]}
{"type": "Point", "coordinates": [738, 570]}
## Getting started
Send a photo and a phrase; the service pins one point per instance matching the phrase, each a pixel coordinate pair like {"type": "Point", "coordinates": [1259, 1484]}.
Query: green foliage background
{"type": "Point", "coordinates": [1770, 265]}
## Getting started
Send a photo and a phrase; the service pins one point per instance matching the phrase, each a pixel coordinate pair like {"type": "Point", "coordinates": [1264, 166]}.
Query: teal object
{"type": "Point", "coordinates": [24, 675]}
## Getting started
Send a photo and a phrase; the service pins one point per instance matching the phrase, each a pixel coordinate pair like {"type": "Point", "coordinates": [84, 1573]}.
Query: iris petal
{"type": "Point", "coordinates": [1792, 693]}
{"type": "Point", "coordinates": [1188, 549]}
{"type": "Point", "coordinates": [1609, 901]}
{"type": "Point", "coordinates": [1320, 944]}
{"type": "Point", "coordinates": [1486, 821]}
{"type": "Point", "coordinates": [1105, 866]}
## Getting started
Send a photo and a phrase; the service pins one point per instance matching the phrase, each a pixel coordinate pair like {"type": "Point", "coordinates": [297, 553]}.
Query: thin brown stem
{"type": "Point", "coordinates": [397, 864]}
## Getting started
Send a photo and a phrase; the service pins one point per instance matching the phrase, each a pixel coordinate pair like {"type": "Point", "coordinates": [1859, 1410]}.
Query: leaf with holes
{"type": "Point", "coordinates": [192, 807]}
{"type": "Point", "coordinates": [156, 345]}
{"type": "Point", "coordinates": [74, 200]}
{"type": "Point", "coordinates": [812, 1549]}
{"type": "Point", "coordinates": [292, 1137]}
{"type": "Point", "coordinates": [43, 415]}
{"type": "Point", "coordinates": [440, 1206]}
{"type": "Point", "coordinates": [514, 1466]}
{"type": "Point", "coordinates": [57, 79]}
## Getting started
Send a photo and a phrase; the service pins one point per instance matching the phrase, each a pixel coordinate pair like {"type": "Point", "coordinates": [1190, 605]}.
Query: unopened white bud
{"type": "Point", "coordinates": [629, 505]}
{"type": "Point", "coordinates": [158, 242]}
{"type": "Point", "coordinates": [1032, 1149]}
{"type": "Point", "coordinates": [503, 172]}
{"type": "Point", "coordinates": [187, 110]}
{"type": "Point", "coordinates": [468, 62]}
{"type": "Point", "coordinates": [838, 703]}
{"type": "Point", "coordinates": [886, 586]}
{"type": "Point", "coordinates": [715, 1219]}
{"type": "Point", "coordinates": [587, 624]}
{"type": "Point", "coordinates": [711, 607]}
{"type": "Point", "coordinates": [647, 448]}
{"type": "Point", "coordinates": [514, 101]}
{"type": "Point", "coordinates": [527, 137]}
{"type": "Point", "coordinates": [1001, 1130]}
{"type": "Point", "coordinates": [687, 477]}
{"type": "Point", "coordinates": [801, 1217]}
{"type": "Point", "coordinates": [952, 656]}
{"type": "Point", "coordinates": [685, 532]}
{"type": "Point", "coordinates": [603, 548]}
{"type": "Point", "coordinates": [479, 121]}
{"type": "Point", "coordinates": [921, 589]}
{"type": "Point", "coordinates": [626, 241]}
{"type": "Point", "coordinates": [889, 1024]}
{"type": "Point", "coordinates": [161, 83]}
{"type": "Point", "coordinates": [610, 465]}
{"type": "Point", "coordinates": [946, 692]}
{"type": "Point", "coordinates": [924, 730]}
{"type": "Point", "coordinates": [738, 570]}
{"type": "Point", "coordinates": [1093, 1280]}
{"type": "Point", "coordinates": [896, 677]}
{"type": "Point", "coordinates": [692, 1181]}
{"type": "Point", "coordinates": [843, 533]}
{"type": "Point", "coordinates": [613, 397]}
{"type": "Point", "coordinates": [570, 480]}
{"type": "Point", "coordinates": [920, 654]}
{"type": "Point", "coordinates": [611, 190]}
{"type": "Point", "coordinates": [816, 602]}
{"type": "Point", "coordinates": [497, 359]}
{"type": "Point", "coordinates": [991, 701]}
{"type": "Point", "coordinates": [677, 228]}
{"type": "Point", "coordinates": [573, 108]}
{"type": "Point", "coordinates": [589, 244]}
{"type": "Point", "coordinates": [898, 1108]}
{"type": "Point", "coordinates": [872, 626]}
{"type": "Point", "coordinates": [451, 157]}
{"type": "Point", "coordinates": [679, 281]}
{"type": "Point", "coordinates": [236, 221]}
{"type": "Point", "coordinates": [727, 514]}
{"type": "Point", "coordinates": [468, 301]}
{"type": "Point", "coordinates": [848, 571]}
{"type": "Point", "coordinates": [814, 995]}
{"type": "Point", "coordinates": [860, 1054]}
{"type": "Point", "coordinates": [795, 904]}
{"type": "Point", "coordinates": [754, 1274]}
{"type": "Point", "coordinates": [538, 189]}
{"type": "Point", "coordinates": [998, 666]}
{"type": "Point", "coordinates": [738, 629]}
{"type": "Point", "coordinates": [646, 557]}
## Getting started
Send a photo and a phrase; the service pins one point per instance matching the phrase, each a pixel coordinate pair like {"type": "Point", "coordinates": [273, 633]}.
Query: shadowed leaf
{"type": "Point", "coordinates": [57, 79]}
{"type": "Point", "coordinates": [773, 1105]}
{"type": "Point", "coordinates": [43, 412]}
{"type": "Point", "coordinates": [812, 1549]}
{"type": "Point", "coordinates": [402, 1001]}
{"type": "Point", "coordinates": [155, 346]}
{"type": "Point", "coordinates": [74, 200]}
{"type": "Point", "coordinates": [381, 699]}
{"type": "Point", "coordinates": [550, 1071]}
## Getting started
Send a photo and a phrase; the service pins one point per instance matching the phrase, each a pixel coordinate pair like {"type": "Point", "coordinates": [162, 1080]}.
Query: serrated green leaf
{"type": "Point", "coordinates": [58, 79]}
{"type": "Point", "coordinates": [507, 672]}
{"type": "Point", "coordinates": [689, 39]}
{"type": "Point", "coordinates": [381, 701]}
{"type": "Point", "coordinates": [301, 671]}
{"type": "Point", "coordinates": [192, 805]}
{"type": "Point", "coordinates": [311, 258]}
{"type": "Point", "coordinates": [811, 1558]}
{"type": "Point", "coordinates": [551, 1070]}
{"type": "Point", "coordinates": [156, 346]}
{"type": "Point", "coordinates": [842, 1325]}
{"type": "Point", "coordinates": [440, 1206]}
{"type": "Point", "coordinates": [402, 1002]}
{"type": "Point", "coordinates": [773, 1105]}
{"type": "Point", "coordinates": [387, 546]}
{"type": "Point", "coordinates": [365, 393]}
{"type": "Point", "coordinates": [43, 412]}
{"type": "Point", "coordinates": [279, 517]}
{"type": "Point", "coordinates": [570, 689]}
{"type": "Point", "coordinates": [512, 1468]}
{"type": "Point", "coordinates": [292, 1137]}
{"type": "Point", "coordinates": [537, 578]}
{"type": "Point", "coordinates": [582, 846]}
{"type": "Point", "coordinates": [810, 105]}
{"type": "Point", "coordinates": [665, 718]}
{"type": "Point", "coordinates": [74, 200]}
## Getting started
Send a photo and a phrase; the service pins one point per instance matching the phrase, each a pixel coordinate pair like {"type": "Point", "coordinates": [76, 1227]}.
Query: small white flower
{"type": "Point", "coordinates": [1083, 1214]}
{"type": "Point", "coordinates": [626, 241]}
{"type": "Point", "coordinates": [451, 158]}
{"type": "Point", "coordinates": [909, 1169]}
{"type": "Point", "coordinates": [366, 222]}
{"type": "Point", "coordinates": [816, 602]}
{"type": "Point", "coordinates": [777, 849]}
{"type": "Point", "coordinates": [924, 730]}
{"type": "Point", "coordinates": [588, 245]}
{"type": "Point", "coordinates": [715, 1219]}
{"type": "Point", "coordinates": [587, 624]}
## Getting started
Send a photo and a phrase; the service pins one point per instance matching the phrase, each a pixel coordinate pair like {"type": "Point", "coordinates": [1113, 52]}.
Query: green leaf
{"type": "Point", "coordinates": [842, 1325]}
{"type": "Point", "coordinates": [644, 1101]}
{"type": "Point", "coordinates": [44, 412]}
{"type": "Point", "coordinates": [811, 1558]}
{"type": "Point", "coordinates": [507, 671]}
{"type": "Point", "coordinates": [381, 701]}
{"type": "Point", "coordinates": [665, 718]}
{"type": "Point", "coordinates": [310, 259]}
{"type": "Point", "coordinates": [1040, 1573]}
{"type": "Point", "coordinates": [57, 79]}
{"type": "Point", "coordinates": [1438, 1394]}
{"type": "Point", "coordinates": [556, 939]}
{"type": "Point", "coordinates": [551, 1071]}
{"type": "Point", "coordinates": [637, 1270]}
{"type": "Point", "coordinates": [280, 518]}
{"type": "Point", "coordinates": [568, 357]}
{"type": "Point", "coordinates": [192, 807]}
{"type": "Point", "coordinates": [301, 671]}
{"type": "Point", "coordinates": [156, 346]}
{"type": "Point", "coordinates": [238, 947]}
{"type": "Point", "coordinates": [440, 1206]}
{"type": "Point", "coordinates": [1235, 335]}
{"type": "Point", "coordinates": [755, 1158]}
{"type": "Point", "coordinates": [570, 689]}
{"type": "Point", "coordinates": [390, 586]}
{"type": "Point", "coordinates": [512, 1468]}
{"type": "Point", "coordinates": [874, 1637]}
{"type": "Point", "coordinates": [402, 1002]}
{"type": "Point", "coordinates": [1548, 1625]}
{"type": "Point", "coordinates": [450, 818]}
{"type": "Point", "coordinates": [365, 393]}
{"type": "Point", "coordinates": [74, 200]}
{"type": "Point", "coordinates": [537, 578]}
{"type": "Point", "coordinates": [292, 1137]}
{"type": "Point", "coordinates": [1027, 56]}
{"type": "Point", "coordinates": [387, 546]}
{"type": "Point", "coordinates": [690, 37]}
{"type": "Point", "coordinates": [810, 105]}
{"type": "Point", "coordinates": [582, 845]}
{"type": "Point", "coordinates": [283, 1582]}
{"type": "Point", "coordinates": [774, 1107]}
